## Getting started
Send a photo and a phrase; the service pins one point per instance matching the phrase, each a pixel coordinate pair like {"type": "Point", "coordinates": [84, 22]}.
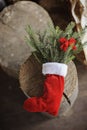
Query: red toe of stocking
{"type": "Point", "coordinates": [50, 101]}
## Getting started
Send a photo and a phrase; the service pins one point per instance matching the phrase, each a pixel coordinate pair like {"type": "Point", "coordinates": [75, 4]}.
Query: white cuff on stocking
{"type": "Point", "coordinates": [54, 68]}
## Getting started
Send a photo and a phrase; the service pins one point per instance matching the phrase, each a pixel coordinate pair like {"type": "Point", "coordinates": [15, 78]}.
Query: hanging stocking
{"type": "Point", "coordinates": [53, 90]}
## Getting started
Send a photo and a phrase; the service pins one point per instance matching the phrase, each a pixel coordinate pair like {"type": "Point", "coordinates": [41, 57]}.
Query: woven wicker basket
{"type": "Point", "coordinates": [31, 82]}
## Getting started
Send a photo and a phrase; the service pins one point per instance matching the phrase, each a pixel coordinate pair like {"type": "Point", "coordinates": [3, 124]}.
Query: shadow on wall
{"type": "Point", "coordinates": [59, 10]}
{"type": "Point", "coordinates": [2, 4]}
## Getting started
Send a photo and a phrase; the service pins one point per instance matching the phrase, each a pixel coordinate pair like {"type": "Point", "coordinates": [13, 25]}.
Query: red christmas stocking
{"type": "Point", "coordinates": [53, 90]}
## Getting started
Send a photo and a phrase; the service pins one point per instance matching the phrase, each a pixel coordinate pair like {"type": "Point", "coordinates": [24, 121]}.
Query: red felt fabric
{"type": "Point", "coordinates": [51, 99]}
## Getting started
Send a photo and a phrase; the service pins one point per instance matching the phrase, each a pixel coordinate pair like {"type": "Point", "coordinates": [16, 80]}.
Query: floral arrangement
{"type": "Point", "coordinates": [53, 48]}
{"type": "Point", "coordinates": [55, 45]}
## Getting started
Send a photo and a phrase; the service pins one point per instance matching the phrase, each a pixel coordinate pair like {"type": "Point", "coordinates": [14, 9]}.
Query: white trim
{"type": "Point", "coordinates": [54, 68]}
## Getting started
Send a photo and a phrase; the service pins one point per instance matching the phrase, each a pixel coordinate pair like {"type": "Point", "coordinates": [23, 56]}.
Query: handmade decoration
{"type": "Point", "coordinates": [54, 48]}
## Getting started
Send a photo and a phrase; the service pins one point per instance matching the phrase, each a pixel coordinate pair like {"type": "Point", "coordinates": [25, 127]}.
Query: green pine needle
{"type": "Point", "coordinates": [46, 45]}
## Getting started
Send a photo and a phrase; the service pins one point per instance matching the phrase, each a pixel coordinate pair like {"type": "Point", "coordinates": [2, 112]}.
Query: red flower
{"type": "Point", "coordinates": [62, 40]}
{"type": "Point", "coordinates": [72, 41]}
{"type": "Point", "coordinates": [66, 43]}
{"type": "Point", "coordinates": [74, 48]}
{"type": "Point", "coordinates": [64, 46]}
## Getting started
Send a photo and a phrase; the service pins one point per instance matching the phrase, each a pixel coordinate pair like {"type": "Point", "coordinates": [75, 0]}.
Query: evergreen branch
{"type": "Point", "coordinates": [46, 46]}
{"type": "Point", "coordinates": [69, 30]}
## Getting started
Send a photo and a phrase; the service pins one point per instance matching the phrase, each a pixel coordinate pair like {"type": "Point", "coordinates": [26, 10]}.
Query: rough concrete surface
{"type": "Point", "coordinates": [13, 117]}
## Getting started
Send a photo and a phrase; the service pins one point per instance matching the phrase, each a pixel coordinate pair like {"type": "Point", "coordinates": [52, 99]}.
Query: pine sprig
{"type": "Point", "coordinates": [47, 47]}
